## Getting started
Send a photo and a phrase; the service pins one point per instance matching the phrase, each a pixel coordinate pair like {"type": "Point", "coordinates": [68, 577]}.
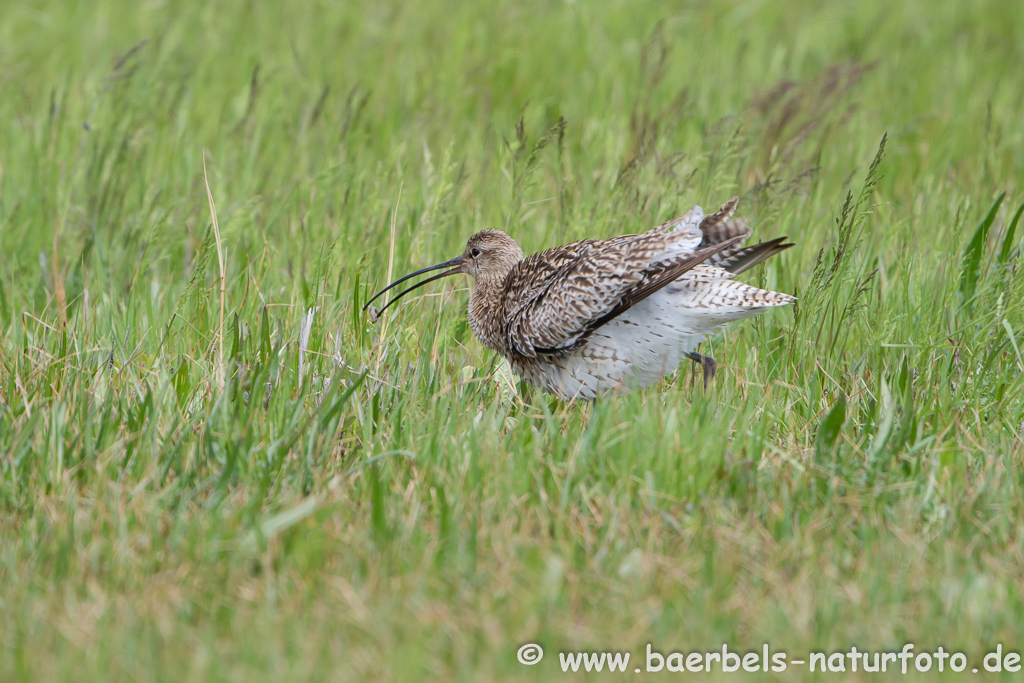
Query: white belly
{"type": "Point", "coordinates": [642, 345]}
{"type": "Point", "coordinates": [621, 356]}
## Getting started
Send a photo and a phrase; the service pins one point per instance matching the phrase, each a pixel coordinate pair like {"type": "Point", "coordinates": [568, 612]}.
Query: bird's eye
{"type": "Point", "coordinates": [474, 252]}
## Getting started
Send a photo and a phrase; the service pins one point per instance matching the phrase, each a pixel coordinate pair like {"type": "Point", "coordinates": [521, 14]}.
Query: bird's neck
{"type": "Point", "coordinates": [487, 311]}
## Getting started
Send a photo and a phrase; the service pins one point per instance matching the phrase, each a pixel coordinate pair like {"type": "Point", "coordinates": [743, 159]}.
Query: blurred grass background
{"type": "Point", "coordinates": [186, 495]}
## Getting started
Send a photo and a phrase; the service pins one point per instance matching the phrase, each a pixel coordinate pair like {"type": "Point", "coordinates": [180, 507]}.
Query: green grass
{"type": "Point", "coordinates": [178, 502]}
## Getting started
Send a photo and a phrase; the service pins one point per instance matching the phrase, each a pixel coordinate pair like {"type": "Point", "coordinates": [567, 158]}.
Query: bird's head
{"type": "Point", "coordinates": [489, 256]}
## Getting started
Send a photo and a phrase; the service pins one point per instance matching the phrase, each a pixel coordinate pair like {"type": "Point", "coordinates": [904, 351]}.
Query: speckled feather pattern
{"type": "Point", "coordinates": [599, 316]}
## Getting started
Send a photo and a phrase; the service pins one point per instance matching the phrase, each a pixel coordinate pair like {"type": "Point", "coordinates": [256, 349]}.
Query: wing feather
{"type": "Point", "coordinates": [584, 294]}
{"type": "Point", "coordinates": [721, 226]}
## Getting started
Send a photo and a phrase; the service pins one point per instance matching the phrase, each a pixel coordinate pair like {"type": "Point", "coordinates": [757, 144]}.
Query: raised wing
{"type": "Point", "coordinates": [721, 226]}
{"type": "Point", "coordinates": [738, 260]}
{"type": "Point", "coordinates": [585, 292]}
{"type": "Point", "coordinates": [533, 275]}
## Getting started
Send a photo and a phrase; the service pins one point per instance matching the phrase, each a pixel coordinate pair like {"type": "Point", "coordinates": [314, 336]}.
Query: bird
{"type": "Point", "coordinates": [596, 316]}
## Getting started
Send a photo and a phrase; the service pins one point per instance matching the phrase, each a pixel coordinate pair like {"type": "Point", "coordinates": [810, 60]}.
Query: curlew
{"type": "Point", "coordinates": [600, 316]}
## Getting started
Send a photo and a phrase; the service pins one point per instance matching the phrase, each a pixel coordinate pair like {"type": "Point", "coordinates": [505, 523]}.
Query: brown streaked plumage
{"type": "Point", "coordinates": [610, 315]}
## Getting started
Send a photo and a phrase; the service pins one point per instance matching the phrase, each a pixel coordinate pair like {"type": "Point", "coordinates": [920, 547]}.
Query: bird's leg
{"type": "Point", "coordinates": [707, 363]}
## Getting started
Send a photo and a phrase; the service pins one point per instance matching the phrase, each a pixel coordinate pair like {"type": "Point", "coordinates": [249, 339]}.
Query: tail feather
{"type": "Point", "coordinates": [723, 295]}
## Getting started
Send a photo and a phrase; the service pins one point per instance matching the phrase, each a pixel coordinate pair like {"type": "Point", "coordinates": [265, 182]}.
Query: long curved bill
{"type": "Point", "coordinates": [456, 267]}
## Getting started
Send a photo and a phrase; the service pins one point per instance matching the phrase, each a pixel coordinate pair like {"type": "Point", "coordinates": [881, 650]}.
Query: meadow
{"type": "Point", "coordinates": [214, 466]}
